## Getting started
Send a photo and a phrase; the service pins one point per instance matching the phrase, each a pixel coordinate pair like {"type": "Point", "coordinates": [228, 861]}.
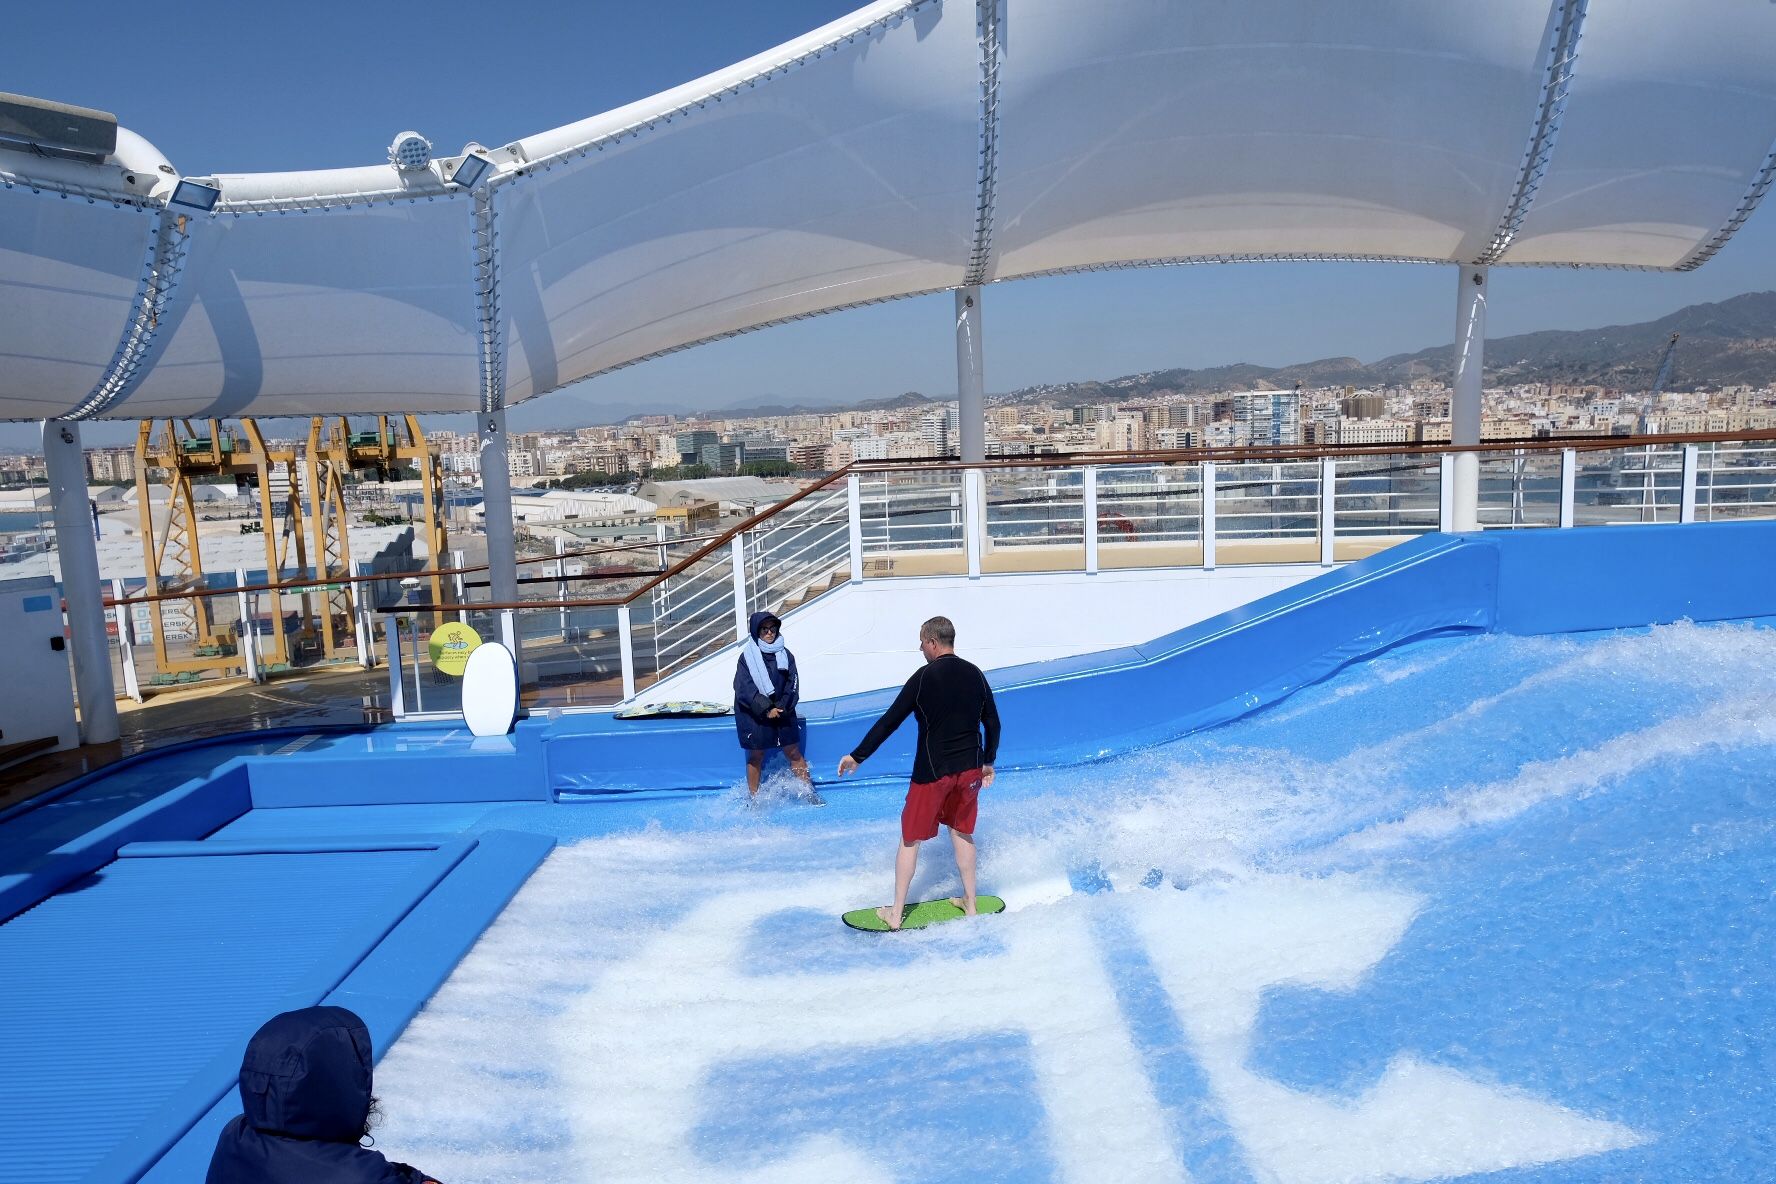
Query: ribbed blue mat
{"type": "Point", "coordinates": [122, 988]}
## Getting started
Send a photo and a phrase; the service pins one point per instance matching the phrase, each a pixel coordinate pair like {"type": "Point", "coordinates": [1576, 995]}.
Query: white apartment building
{"type": "Point", "coordinates": [939, 431]}
{"type": "Point", "coordinates": [1374, 431]}
{"type": "Point", "coordinates": [1268, 417]}
{"type": "Point", "coordinates": [867, 447]}
{"type": "Point", "coordinates": [1125, 433]}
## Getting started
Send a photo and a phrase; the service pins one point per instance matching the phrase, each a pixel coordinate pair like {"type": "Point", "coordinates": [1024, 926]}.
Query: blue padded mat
{"type": "Point", "coordinates": [176, 960]}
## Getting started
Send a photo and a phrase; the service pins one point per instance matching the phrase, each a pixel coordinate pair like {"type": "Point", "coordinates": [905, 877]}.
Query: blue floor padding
{"type": "Point", "coordinates": [190, 810]}
{"type": "Point", "coordinates": [395, 979]}
{"type": "Point", "coordinates": [313, 821]}
{"type": "Point", "coordinates": [33, 828]}
{"type": "Point", "coordinates": [138, 977]}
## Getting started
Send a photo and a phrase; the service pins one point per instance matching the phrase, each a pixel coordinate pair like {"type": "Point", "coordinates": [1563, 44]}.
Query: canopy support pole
{"type": "Point", "coordinates": [496, 511]}
{"type": "Point", "coordinates": [971, 410]}
{"type": "Point", "coordinates": [81, 589]}
{"type": "Point", "coordinates": [1464, 403]}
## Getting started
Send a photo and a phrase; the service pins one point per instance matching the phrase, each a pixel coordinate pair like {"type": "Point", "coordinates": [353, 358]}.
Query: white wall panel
{"type": "Point", "coordinates": [1672, 111]}
{"type": "Point", "coordinates": [69, 270]}
{"type": "Point", "coordinates": [363, 309]}
{"type": "Point", "coordinates": [850, 178]}
{"type": "Point", "coordinates": [1133, 129]}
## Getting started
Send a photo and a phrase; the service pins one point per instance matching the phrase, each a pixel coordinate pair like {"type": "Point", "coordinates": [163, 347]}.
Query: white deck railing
{"type": "Point", "coordinates": [938, 518]}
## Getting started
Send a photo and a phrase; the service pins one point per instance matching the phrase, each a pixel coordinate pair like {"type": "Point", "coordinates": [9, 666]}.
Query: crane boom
{"type": "Point", "coordinates": [1652, 397]}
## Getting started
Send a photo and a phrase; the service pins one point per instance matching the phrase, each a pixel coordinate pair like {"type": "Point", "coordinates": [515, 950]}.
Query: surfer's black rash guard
{"type": "Point", "coordinates": [953, 704]}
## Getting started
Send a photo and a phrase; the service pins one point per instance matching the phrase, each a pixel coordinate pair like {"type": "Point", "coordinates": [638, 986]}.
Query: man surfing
{"type": "Point", "coordinates": [954, 705]}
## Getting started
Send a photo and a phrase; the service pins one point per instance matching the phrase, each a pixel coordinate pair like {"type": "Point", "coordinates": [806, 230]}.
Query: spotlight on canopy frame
{"type": "Point", "coordinates": [410, 152]}
{"type": "Point", "coordinates": [471, 170]}
{"type": "Point", "coordinates": [196, 195]}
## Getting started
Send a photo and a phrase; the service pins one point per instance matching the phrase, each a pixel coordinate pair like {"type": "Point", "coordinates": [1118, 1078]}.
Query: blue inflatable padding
{"type": "Point", "coordinates": [92, 798]}
{"type": "Point", "coordinates": [389, 985]}
{"type": "Point", "coordinates": [361, 930]}
{"type": "Point", "coordinates": [1248, 658]}
{"type": "Point", "coordinates": [1084, 707]}
{"type": "Point", "coordinates": [191, 811]}
{"type": "Point", "coordinates": [1079, 708]}
{"type": "Point", "coordinates": [1624, 577]}
{"type": "Point", "coordinates": [439, 763]}
{"type": "Point", "coordinates": [313, 846]}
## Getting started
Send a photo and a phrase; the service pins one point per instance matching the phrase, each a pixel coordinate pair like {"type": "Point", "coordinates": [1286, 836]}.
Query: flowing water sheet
{"type": "Point", "coordinates": [1482, 904]}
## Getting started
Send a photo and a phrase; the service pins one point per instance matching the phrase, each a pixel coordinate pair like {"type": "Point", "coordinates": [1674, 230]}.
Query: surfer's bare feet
{"type": "Point", "coordinates": [888, 915]}
{"type": "Point", "coordinates": [966, 906]}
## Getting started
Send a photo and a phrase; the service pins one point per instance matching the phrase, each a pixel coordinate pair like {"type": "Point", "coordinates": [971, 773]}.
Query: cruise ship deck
{"type": "Point", "coordinates": [1366, 813]}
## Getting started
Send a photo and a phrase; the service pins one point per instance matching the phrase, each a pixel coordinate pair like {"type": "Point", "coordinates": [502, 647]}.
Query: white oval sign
{"type": "Point", "coordinates": [490, 690]}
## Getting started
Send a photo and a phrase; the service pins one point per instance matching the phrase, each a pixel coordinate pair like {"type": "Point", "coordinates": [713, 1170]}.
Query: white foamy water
{"type": "Point", "coordinates": [683, 1005]}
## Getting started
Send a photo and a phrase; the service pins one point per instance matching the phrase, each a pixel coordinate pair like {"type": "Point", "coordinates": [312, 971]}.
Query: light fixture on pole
{"type": "Point", "coordinates": [470, 170]}
{"type": "Point", "coordinates": [410, 152]}
{"type": "Point", "coordinates": [196, 195]}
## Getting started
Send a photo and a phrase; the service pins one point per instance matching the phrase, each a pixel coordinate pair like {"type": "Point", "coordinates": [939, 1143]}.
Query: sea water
{"type": "Point", "coordinates": [1479, 905]}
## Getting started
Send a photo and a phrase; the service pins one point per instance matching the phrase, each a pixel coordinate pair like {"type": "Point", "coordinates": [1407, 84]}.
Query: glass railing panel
{"type": "Point", "coordinates": [1379, 501]}
{"type": "Point", "coordinates": [571, 657]}
{"type": "Point", "coordinates": [1267, 512]}
{"type": "Point", "coordinates": [1735, 480]}
{"type": "Point", "coordinates": [912, 522]}
{"type": "Point", "coordinates": [1519, 489]}
{"type": "Point", "coordinates": [429, 686]}
{"type": "Point", "coordinates": [1149, 515]}
{"type": "Point", "coordinates": [1623, 485]}
{"type": "Point", "coordinates": [1035, 520]}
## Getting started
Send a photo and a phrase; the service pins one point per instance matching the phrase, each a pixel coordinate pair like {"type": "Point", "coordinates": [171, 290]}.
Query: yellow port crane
{"type": "Point", "coordinates": [335, 454]}
{"type": "Point", "coordinates": [173, 555]}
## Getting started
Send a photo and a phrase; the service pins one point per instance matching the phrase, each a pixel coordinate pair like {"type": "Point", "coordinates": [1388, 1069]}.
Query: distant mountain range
{"type": "Point", "coordinates": [1727, 343]}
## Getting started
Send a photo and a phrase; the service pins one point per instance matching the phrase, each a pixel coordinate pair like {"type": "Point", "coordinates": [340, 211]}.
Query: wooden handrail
{"type": "Point", "coordinates": [1273, 453]}
{"type": "Point", "coordinates": [728, 535]}
{"type": "Point", "coordinates": [682, 565]}
{"type": "Point", "coordinates": [425, 573]}
{"type": "Point", "coordinates": [677, 542]}
{"type": "Point", "coordinates": [1182, 456]}
{"type": "Point", "coordinates": [1305, 452]}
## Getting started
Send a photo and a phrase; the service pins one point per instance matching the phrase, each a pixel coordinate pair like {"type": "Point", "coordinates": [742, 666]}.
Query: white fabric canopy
{"type": "Point", "coordinates": [915, 146]}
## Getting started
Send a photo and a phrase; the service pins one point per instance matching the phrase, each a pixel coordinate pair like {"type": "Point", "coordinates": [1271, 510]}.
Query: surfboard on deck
{"type": "Point", "coordinates": [918, 916]}
{"type": "Point", "coordinates": [678, 709]}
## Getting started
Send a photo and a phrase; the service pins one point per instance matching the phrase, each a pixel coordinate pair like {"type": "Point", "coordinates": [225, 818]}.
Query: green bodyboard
{"type": "Point", "coordinates": [918, 916]}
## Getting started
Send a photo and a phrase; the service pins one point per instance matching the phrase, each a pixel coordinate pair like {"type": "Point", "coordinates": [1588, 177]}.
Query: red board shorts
{"type": "Point", "coordinates": [952, 800]}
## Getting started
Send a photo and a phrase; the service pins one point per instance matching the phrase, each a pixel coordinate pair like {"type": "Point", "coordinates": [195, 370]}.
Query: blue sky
{"type": "Point", "coordinates": [244, 88]}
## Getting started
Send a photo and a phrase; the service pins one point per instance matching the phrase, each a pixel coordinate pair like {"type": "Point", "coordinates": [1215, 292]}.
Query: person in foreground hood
{"type": "Point", "coordinates": [952, 762]}
{"type": "Point", "coordinates": [306, 1102]}
{"type": "Point", "coordinates": [766, 691]}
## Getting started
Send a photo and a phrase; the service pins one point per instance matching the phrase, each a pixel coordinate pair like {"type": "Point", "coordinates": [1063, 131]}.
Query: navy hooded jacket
{"type": "Point", "coordinates": [305, 1093]}
{"type": "Point", "coordinates": [752, 703]}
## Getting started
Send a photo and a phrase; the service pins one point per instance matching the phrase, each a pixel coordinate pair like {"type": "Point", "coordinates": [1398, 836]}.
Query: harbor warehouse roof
{"type": "Point", "coordinates": [910, 147]}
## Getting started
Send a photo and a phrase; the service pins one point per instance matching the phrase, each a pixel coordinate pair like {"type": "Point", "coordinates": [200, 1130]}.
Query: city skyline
{"type": "Point", "coordinates": [1036, 426]}
{"type": "Point", "coordinates": [533, 416]}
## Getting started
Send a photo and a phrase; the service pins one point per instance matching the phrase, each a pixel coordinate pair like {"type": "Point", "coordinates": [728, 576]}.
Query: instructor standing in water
{"type": "Point", "coordinates": [953, 704]}
{"type": "Point", "coordinates": [766, 691]}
